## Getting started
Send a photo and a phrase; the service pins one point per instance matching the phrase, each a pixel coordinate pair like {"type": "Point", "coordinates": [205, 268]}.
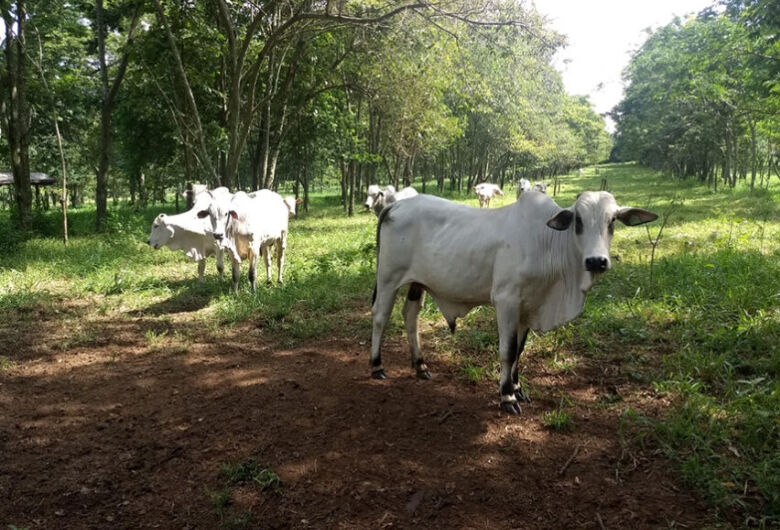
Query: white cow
{"type": "Point", "coordinates": [523, 186]}
{"type": "Point", "coordinates": [189, 232]}
{"type": "Point", "coordinates": [540, 186]}
{"type": "Point", "coordinates": [532, 260]}
{"type": "Point", "coordinates": [378, 198]}
{"type": "Point", "coordinates": [486, 191]}
{"type": "Point", "coordinates": [251, 226]}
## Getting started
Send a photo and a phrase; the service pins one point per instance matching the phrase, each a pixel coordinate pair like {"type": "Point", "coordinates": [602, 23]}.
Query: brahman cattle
{"type": "Point", "coordinates": [378, 198]}
{"type": "Point", "coordinates": [532, 260]}
{"type": "Point", "coordinates": [486, 191]}
{"type": "Point", "coordinates": [250, 226]}
{"type": "Point", "coordinates": [189, 232]}
{"type": "Point", "coordinates": [523, 186]}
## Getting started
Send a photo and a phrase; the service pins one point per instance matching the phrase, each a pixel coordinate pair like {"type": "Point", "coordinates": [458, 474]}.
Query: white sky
{"type": "Point", "coordinates": [601, 36]}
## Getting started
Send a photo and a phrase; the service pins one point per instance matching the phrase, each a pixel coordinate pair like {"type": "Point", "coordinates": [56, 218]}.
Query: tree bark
{"type": "Point", "coordinates": [15, 111]}
{"type": "Point", "coordinates": [107, 108]}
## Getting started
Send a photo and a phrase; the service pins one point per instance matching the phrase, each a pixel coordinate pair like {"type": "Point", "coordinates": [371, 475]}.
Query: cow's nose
{"type": "Point", "coordinates": [217, 236]}
{"type": "Point", "coordinates": [597, 264]}
{"type": "Point", "coordinates": [149, 242]}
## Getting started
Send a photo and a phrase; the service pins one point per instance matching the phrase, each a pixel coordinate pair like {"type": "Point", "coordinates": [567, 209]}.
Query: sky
{"type": "Point", "coordinates": [601, 36]}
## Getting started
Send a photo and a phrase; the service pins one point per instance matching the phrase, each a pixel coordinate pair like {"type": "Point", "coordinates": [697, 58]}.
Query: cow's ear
{"type": "Point", "coordinates": [202, 214]}
{"type": "Point", "coordinates": [298, 200]}
{"type": "Point", "coordinates": [562, 220]}
{"type": "Point", "coordinates": [233, 214]}
{"type": "Point", "coordinates": [635, 216]}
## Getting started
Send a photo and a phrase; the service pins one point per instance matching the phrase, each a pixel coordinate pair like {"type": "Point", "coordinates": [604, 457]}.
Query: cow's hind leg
{"type": "Point", "coordinates": [252, 270]}
{"type": "Point", "coordinates": [236, 272]}
{"type": "Point", "coordinates": [266, 252]}
{"type": "Point", "coordinates": [384, 296]}
{"type": "Point", "coordinates": [414, 302]}
{"type": "Point", "coordinates": [281, 245]}
{"type": "Point", "coordinates": [507, 348]}
{"type": "Point", "coordinates": [520, 393]}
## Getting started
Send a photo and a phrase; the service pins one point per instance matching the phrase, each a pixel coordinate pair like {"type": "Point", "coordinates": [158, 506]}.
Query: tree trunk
{"type": "Point", "coordinates": [15, 111]}
{"type": "Point", "coordinates": [107, 107]}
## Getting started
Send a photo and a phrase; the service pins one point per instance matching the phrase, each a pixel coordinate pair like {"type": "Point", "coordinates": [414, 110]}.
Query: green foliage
{"type": "Point", "coordinates": [250, 472]}
{"type": "Point", "coordinates": [559, 419]}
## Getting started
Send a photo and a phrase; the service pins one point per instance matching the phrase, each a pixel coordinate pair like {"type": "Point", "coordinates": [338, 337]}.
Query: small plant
{"type": "Point", "coordinates": [674, 205]}
{"type": "Point", "coordinates": [220, 500]}
{"type": "Point", "coordinates": [6, 363]}
{"type": "Point", "coordinates": [251, 472]}
{"type": "Point", "coordinates": [559, 420]}
{"type": "Point", "coordinates": [156, 340]}
{"type": "Point", "coordinates": [471, 373]}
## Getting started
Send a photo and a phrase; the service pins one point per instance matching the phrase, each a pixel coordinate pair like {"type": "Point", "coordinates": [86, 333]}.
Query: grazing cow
{"type": "Point", "coordinates": [378, 198]}
{"type": "Point", "coordinates": [532, 260]}
{"type": "Point", "coordinates": [485, 191]}
{"type": "Point", "coordinates": [581, 172]}
{"type": "Point", "coordinates": [190, 232]}
{"type": "Point", "coordinates": [540, 186]}
{"type": "Point", "coordinates": [523, 186]}
{"type": "Point", "coordinates": [253, 223]}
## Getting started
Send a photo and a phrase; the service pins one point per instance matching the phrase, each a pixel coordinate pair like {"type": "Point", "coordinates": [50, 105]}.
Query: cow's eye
{"type": "Point", "coordinates": [578, 224]}
{"type": "Point", "coordinates": [202, 214]}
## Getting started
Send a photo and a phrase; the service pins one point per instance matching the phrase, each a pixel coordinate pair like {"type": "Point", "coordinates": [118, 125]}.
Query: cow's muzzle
{"type": "Point", "coordinates": [218, 237]}
{"type": "Point", "coordinates": [596, 264]}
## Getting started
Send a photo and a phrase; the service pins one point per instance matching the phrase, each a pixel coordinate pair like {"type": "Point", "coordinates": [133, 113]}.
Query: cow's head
{"type": "Point", "coordinates": [291, 203]}
{"type": "Point", "coordinates": [593, 216]}
{"type": "Point", "coordinates": [214, 207]}
{"type": "Point", "coordinates": [375, 195]}
{"type": "Point", "coordinates": [162, 232]}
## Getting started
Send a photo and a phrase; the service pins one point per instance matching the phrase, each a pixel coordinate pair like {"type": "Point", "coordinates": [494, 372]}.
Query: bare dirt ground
{"type": "Point", "coordinates": [107, 432]}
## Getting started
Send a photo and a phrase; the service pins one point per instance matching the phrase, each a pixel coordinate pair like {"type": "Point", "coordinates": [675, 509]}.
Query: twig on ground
{"type": "Point", "coordinates": [570, 460]}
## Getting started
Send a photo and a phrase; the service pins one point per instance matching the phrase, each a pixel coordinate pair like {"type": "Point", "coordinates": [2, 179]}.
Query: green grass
{"type": "Point", "coordinates": [703, 332]}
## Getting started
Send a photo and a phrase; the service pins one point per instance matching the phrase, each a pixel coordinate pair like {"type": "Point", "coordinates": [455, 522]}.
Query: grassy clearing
{"type": "Point", "coordinates": [702, 333]}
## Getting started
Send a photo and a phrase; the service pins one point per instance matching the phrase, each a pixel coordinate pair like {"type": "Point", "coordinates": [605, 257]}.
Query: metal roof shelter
{"type": "Point", "coordinates": [36, 179]}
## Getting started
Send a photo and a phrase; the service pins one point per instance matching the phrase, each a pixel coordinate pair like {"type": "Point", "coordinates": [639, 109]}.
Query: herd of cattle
{"type": "Point", "coordinates": [532, 260]}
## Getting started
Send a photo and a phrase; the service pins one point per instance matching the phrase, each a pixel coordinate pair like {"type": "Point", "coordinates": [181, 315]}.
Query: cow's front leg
{"type": "Point", "coordinates": [236, 270]}
{"type": "Point", "coordinates": [414, 302]}
{"type": "Point", "coordinates": [507, 348]}
{"type": "Point", "coordinates": [201, 269]}
{"type": "Point", "coordinates": [519, 392]}
{"type": "Point", "coordinates": [221, 263]}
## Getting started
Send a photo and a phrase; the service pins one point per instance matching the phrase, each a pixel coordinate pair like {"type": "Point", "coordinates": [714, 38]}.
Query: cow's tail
{"type": "Point", "coordinates": [384, 214]}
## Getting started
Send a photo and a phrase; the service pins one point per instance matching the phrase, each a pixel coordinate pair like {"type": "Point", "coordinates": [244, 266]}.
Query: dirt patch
{"type": "Point", "coordinates": [112, 432]}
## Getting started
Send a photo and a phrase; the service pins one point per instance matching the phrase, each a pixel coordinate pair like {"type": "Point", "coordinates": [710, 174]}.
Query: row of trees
{"type": "Point", "coordinates": [703, 96]}
{"type": "Point", "coordinates": [133, 97]}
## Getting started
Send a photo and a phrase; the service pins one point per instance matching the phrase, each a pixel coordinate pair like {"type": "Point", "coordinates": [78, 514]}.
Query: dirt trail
{"type": "Point", "coordinates": [112, 435]}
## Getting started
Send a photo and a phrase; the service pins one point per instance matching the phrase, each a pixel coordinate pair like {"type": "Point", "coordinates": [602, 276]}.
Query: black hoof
{"type": "Point", "coordinates": [520, 395]}
{"type": "Point", "coordinates": [510, 407]}
{"type": "Point", "coordinates": [379, 374]}
{"type": "Point", "coordinates": [423, 374]}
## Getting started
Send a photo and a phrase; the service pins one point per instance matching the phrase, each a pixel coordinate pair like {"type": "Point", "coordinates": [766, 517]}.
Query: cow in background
{"type": "Point", "coordinates": [379, 198]}
{"type": "Point", "coordinates": [190, 232]}
{"type": "Point", "coordinates": [250, 226]}
{"type": "Point", "coordinates": [523, 186]}
{"type": "Point", "coordinates": [486, 191]}
{"type": "Point", "coordinates": [532, 260]}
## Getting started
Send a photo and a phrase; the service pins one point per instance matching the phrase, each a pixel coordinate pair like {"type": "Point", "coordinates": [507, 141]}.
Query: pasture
{"type": "Point", "coordinates": [133, 396]}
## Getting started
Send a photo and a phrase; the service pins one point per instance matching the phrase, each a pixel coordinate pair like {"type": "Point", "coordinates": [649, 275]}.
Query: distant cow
{"type": "Point", "coordinates": [253, 224]}
{"type": "Point", "coordinates": [581, 172]}
{"type": "Point", "coordinates": [378, 198]}
{"type": "Point", "coordinates": [486, 191]}
{"type": "Point", "coordinates": [532, 260]}
{"type": "Point", "coordinates": [540, 186]}
{"type": "Point", "coordinates": [189, 232]}
{"type": "Point", "coordinates": [523, 186]}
